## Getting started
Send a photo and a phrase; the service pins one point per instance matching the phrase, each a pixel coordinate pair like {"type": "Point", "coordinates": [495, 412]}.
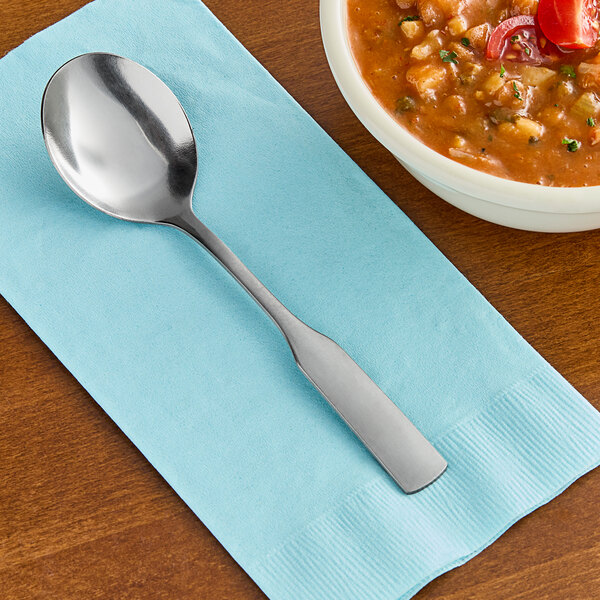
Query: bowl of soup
{"type": "Point", "coordinates": [494, 105]}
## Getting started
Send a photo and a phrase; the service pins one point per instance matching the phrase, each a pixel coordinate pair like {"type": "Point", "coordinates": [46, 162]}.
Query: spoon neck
{"type": "Point", "coordinates": [186, 221]}
{"type": "Point", "coordinates": [189, 223]}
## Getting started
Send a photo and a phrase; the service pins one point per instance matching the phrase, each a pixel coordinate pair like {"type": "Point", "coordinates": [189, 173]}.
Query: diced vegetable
{"type": "Point", "coordinates": [479, 35]}
{"type": "Point", "coordinates": [434, 12]}
{"type": "Point", "coordinates": [459, 142]}
{"type": "Point", "coordinates": [455, 104]}
{"type": "Point", "coordinates": [565, 89]}
{"type": "Point", "coordinates": [587, 105]}
{"type": "Point", "coordinates": [524, 7]}
{"type": "Point", "coordinates": [503, 114]}
{"type": "Point", "coordinates": [457, 25]}
{"type": "Point", "coordinates": [521, 130]}
{"type": "Point", "coordinates": [470, 73]}
{"type": "Point", "coordinates": [406, 104]}
{"type": "Point", "coordinates": [536, 76]}
{"type": "Point", "coordinates": [459, 153]}
{"type": "Point", "coordinates": [432, 43]}
{"type": "Point", "coordinates": [477, 160]}
{"type": "Point", "coordinates": [493, 83]}
{"type": "Point", "coordinates": [409, 19]}
{"type": "Point", "coordinates": [412, 29]}
{"type": "Point", "coordinates": [594, 137]}
{"type": "Point", "coordinates": [553, 116]}
{"type": "Point", "coordinates": [428, 79]}
{"type": "Point", "coordinates": [462, 53]}
{"type": "Point", "coordinates": [589, 74]}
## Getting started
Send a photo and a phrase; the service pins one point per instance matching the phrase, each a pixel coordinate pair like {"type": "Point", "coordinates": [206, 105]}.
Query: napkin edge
{"type": "Point", "coordinates": [549, 446]}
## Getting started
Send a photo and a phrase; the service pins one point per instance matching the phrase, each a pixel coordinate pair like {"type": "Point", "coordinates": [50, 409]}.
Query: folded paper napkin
{"type": "Point", "coordinates": [200, 380]}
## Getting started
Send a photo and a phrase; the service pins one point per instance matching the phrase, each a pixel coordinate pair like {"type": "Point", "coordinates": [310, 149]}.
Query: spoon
{"type": "Point", "coordinates": [122, 142]}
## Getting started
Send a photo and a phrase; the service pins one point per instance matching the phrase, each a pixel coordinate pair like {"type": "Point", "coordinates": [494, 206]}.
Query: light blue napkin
{"type": "Point", "coordinates": [199, 379]}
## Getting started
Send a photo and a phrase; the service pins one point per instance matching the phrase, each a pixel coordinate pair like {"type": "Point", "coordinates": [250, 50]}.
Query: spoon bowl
{"type": "Point", "coordinates": [120, 138]}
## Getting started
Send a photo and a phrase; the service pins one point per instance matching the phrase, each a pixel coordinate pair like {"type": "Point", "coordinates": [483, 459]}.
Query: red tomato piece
{"type": "Point", "coordinates": [569, 23]}
{"type": "Point", "coordinates": [520, 39]}
{"type": "Point", "coordinates": [516, 39]}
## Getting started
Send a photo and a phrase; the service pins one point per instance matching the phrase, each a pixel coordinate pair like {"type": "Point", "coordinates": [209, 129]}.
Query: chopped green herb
{"type": "Point", "coordinates": [515, 38]}
{"type": "Point", "coordinates": [490, 138]}
{"type": "Point", "coordinates": [405, 104]}
{"type": "Point", "coordinates": [534, 140]}
{"type": "Point", "coordinates": [465, 42]}
{"type": "Point", "coordinates": [528, 50]}
{"type": "Point", "coordinates": [556, 105]}
{"type": "Point", "coordinates": [448, 57]}
{"type": "Point", "coordinates": [502, 70]}
{"type": "Point", "coordinates": [410, 18]}
{"type": "Point", "coordinates": [517, 94]}
{"type": "Point", "coordinates": [568, 70]}
{"type": "Point", "coordinates": [591, 122]}
{"type": "Point", "coordinates": [572, 145]}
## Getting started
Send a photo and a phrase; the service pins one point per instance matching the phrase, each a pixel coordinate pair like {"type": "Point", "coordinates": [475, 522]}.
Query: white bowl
{"type": "Point", "coordinates": [510, 203]}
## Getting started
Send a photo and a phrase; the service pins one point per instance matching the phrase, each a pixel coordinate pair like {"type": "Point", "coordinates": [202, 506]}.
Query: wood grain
{"type": "Point", "coordinates": [83, 515]}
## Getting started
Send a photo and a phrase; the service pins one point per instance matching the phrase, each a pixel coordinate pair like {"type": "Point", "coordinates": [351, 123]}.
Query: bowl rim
{"type": "Point", "coordinates": [417, 155]}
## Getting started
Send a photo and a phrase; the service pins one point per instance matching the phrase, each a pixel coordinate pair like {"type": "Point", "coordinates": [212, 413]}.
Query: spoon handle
{"type": "Point", "coordinates": [388, 434]}
{"type": "Point", "coordinates": [198, 231]}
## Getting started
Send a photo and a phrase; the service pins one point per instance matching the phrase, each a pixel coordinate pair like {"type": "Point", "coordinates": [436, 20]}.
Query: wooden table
{"type": "Point", "coordinates": [83, 515]}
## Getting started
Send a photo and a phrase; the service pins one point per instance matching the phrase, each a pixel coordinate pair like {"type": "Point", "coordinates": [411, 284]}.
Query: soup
{"type": "Point", "coordinates": [508, 87]}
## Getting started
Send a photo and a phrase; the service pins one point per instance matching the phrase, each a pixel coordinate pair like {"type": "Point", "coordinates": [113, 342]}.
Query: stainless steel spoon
{"type": "Point", "coordinates": [120, 139]}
